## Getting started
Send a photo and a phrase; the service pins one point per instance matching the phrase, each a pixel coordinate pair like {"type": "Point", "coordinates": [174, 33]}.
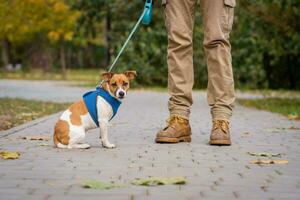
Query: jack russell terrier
{"type": "Point", "coordinates": [95, 109]}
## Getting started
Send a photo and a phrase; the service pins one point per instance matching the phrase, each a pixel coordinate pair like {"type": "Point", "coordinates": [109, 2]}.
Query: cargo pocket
{"type": "Point", "coordinates": [228, 15]}
{"type": "Point", "coordinates": [230, 3]}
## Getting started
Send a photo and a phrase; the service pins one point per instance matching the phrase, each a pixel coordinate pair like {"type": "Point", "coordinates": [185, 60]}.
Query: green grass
{"type": "Point", "coordinates": [285, 106]}
{"type": "Point", "coordinates": [85, 77]}
{"type": "Point", "coordinates": [14, 112]}
{"type": "Point", "coordinates": [77, 77]}
{"type": "Point", "coordinates": [270, 93]}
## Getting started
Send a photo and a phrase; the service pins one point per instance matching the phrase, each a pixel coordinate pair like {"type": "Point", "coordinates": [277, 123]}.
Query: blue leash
{"type": "Point", "coordinates": [145, 18]}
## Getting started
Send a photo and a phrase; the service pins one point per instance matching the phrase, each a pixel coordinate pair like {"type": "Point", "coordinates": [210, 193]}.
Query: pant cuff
{"type": "Point", "coordinates": [181, 113]}
{"type": "Point", "coordinates": [221, 115]}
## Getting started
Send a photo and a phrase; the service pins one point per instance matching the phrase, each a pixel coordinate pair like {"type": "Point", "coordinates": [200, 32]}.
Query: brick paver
{"type": "Point", "coordinates": [44, 172]}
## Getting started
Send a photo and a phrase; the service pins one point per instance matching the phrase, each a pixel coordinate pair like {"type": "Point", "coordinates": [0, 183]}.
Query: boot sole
{"type": "Point", "coordinates": [220, 142]}
{"type": "Point", "coordinates": [173, 140]}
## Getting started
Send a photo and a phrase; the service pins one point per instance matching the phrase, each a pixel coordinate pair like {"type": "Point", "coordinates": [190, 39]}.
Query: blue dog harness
{"type": "Point", "coordinates": [90, 100]}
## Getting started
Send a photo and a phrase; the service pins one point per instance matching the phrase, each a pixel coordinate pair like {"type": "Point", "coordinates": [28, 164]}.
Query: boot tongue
{"type": "Point", "coordinates": [175, 119]}
{"type": "Point", "coordinates": [221, 124]}
{"type": "Point", "coordinates": [172, 121]}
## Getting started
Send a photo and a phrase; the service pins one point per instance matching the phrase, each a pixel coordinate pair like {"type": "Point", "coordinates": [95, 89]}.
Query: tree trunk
{"type": "Point", "coordinates": [107, 37]}
{"type": "Point", "coordinates": [80, 58]}
{"type": "Point", "coordinates": [63, 61]}
{"type": "Point", "coordinates": [5, 52]}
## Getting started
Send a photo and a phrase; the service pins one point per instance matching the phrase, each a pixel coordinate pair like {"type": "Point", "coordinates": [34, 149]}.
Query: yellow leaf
{"type": "Point", "coordinates": [9, 155]}
{"type": "Point", "coordinates": [53, 36]}
{"type": "Point", "coordinates": [43, 144]}
{"type": "Point", "coordinates": [68, 36]}
{"type": "Point", "coordinates": [294, 116]}
{"type": "Point", "coordinates": [266, 162]}
{"type": "Point", "coordinates": [60, 7]}
{"type": "Point", "coordinates": [98, 185]}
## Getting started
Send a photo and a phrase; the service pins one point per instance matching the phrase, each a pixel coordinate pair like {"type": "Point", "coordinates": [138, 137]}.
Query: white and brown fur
{"type": "Point", "coordinates": [72, 125]}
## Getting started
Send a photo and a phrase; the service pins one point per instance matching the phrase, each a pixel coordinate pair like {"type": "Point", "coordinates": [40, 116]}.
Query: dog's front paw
{"type": "Point", "coordinates": [109, 145]}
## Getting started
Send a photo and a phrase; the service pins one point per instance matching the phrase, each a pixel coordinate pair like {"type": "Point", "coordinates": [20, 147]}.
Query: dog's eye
{"type": "Point", "coordinates": [125, 84]}
{"type": "Point", "coordinates": [114, 84]}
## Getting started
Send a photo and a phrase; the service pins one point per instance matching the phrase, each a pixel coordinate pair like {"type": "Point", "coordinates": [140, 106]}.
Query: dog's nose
{"type": "Point", "coordinates": [121, 94]}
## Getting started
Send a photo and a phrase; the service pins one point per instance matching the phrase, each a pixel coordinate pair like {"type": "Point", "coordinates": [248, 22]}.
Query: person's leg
{"type": "Point", "coordinates": [179, 16]}
{"type": "Point", "coordinates": [179, 19]}
{"type": "Point", "coordinates": [218, 18]}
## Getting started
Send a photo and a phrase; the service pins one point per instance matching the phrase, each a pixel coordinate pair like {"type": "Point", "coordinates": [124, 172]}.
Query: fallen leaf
{"type": "Point", "coordinates": [294, 116]}
{"type": "Point", "coordinates": [264, 187]}
{"type": "Point", "coordinates": [36, 137]}
{"type": "Point", "coordinates": [264, 154]}
{"type": "Point", "coordinates": [294, 128]}
{"type": "Point", "coordinates": [280, 129]}
{"type": "Point", "coordinates": [92, 184]}
{"type": "Point", "coordinates": [274, 130]}
{"type": "Point", "coordinates": [43, 144]}
{"type": "Point", "coordinates": [9, 155]}
{"type": "Point", "coordinates": [154, 181]}
{"type": "Point", "coordinates": [266, 162]}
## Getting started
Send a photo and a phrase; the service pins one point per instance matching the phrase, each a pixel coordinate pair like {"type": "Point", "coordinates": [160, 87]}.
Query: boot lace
{"type": "Point", "coordinates": [175, 120]}
{"type": "Point", "coordinates": [221, 124]}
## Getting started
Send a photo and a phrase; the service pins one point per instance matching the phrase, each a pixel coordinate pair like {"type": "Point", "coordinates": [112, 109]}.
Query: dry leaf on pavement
{"type": "Point", "coordinates": [266, 162]}
{"type": "Point", "coordinates": [274, 130]}
{"type": "Point", "coordinates": [92, 184]}
{"type": "Point", "coordinates": [43, 144]}
{"type": "Point", "coordinates": [264, 154]}
{"type": "Point", "coordinates": [36, 137]}
{"type": "Point", "coordinates": [9, 155]}
{"type": "Point", "coordinates": [294, 116]}
{"type": "Point", "coordinates": [294, 128]}
{"type": "Point", "coordinates": [154, 181]}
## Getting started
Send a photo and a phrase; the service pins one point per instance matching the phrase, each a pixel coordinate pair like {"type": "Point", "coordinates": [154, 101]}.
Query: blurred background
{"type": "Point", "coordinates": [74, 39]}
{"type": "Point", "coordinates": [70, 42]}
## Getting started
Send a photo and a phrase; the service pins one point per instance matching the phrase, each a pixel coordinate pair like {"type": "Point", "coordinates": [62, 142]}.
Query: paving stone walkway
{"type": "Point", "coordinates": [45, 172]}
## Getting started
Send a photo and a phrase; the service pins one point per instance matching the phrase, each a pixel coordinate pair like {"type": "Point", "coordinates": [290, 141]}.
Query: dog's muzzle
{"type": "Point", "coordinates": [121, 93]}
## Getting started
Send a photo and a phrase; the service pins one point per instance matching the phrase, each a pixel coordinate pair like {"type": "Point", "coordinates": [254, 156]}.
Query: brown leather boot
{"type": "Point", "coordinates": [177, 130]}
{"type": "Point", "coordinates": [220, 134]}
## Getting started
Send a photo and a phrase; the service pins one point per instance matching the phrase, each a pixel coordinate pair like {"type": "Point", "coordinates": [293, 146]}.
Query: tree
{"type": "Point", "coordinates": [93, 30]}
{"type": "Point", "coordinates": [62, 22]}
{"type": "Point", "coordinates": [274, 28]}
{"type": "Point", "coordinates": [22, 20]}
{"type": "Point", "coordinates": [19, 21]}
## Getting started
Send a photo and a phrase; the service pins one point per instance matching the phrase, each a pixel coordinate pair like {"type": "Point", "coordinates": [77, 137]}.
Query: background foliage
{"type": "Point", "coordinates": [54, 34]}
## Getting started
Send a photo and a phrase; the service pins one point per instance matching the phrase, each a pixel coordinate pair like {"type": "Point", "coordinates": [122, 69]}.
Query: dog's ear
{"type": "Point", "coordinates": [130, 74]}
{"type": "Point", "coordinates": [106, 76]}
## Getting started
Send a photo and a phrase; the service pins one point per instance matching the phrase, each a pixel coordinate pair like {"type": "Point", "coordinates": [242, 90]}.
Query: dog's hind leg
{"type": "Point", "coordinates": [75, 139]}
{"type": "Point", "coordinates": [62, 146]}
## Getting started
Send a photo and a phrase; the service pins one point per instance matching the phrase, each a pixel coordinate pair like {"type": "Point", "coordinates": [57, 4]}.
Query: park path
{"type": "Point", "coordinates": [57, 91]}
{"type": "Point", "coordinates": [44, 172]}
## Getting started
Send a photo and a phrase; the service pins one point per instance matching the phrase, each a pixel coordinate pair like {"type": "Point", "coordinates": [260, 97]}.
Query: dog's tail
{"type": "Point", "coordinates": [57, 131]}
{"type": "Point", "coordinates": [55, 139]}
{"type": "Point", "coordinates": [57, 143]}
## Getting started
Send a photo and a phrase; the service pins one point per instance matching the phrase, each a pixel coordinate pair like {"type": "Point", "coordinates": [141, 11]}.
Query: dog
{"type": "Point", "coordinates": [95, 109]}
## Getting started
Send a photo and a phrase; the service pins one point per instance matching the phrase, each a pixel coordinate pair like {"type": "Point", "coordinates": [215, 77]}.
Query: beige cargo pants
{"type": "Point", "coordinates": [217, 21]}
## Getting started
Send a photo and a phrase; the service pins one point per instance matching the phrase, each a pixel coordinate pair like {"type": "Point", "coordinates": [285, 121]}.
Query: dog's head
{"type": "Point", "coordinates": [117, 84]}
